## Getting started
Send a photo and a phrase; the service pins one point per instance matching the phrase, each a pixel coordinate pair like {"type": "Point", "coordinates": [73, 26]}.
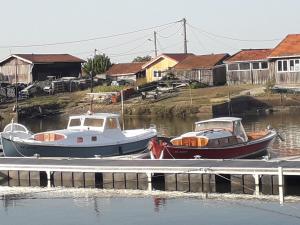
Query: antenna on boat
{"type": "Point", "coordinates": [122, 104]}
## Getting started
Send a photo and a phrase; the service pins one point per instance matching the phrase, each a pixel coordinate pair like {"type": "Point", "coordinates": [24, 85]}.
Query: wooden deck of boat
{"type": "Point", "coordinates": [290, 167]}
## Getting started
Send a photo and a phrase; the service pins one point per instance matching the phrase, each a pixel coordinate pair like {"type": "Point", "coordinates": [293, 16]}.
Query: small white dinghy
{"type": "Point", "coordinates": [87, 136]}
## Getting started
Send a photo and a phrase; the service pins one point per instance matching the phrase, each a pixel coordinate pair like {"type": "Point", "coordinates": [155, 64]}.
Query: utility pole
{"type": "Point", "coordinates": [155, 44]}
{"type": "Point", "coordinates": [184, 35]}
{"type": "Point", "coordinates": [92, 80]}
{"type": "Point", "coordinates": [92, 70]}
{"type": "Point", "coordinates": [16, 82]}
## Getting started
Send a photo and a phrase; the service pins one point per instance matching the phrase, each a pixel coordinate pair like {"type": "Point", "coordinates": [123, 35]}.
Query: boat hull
{"type": "Point", "coordinates": [21, 149]}
{"type": "Point", "coordinates": [251, 149]}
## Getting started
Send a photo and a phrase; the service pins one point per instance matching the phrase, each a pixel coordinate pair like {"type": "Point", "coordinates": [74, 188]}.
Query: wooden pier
{"type": "Point", "coordinates": [203, 175]}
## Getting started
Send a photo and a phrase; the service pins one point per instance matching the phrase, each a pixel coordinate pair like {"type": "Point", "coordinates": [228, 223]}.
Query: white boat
{"type": "Point", "coordinates": [86, 136]}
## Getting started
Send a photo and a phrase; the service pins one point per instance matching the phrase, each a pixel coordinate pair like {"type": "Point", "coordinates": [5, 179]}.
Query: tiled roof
{"type": "Point", "coordinates": [250, 55]}
{"type": "Point", "coordinates": [49, 58]}
{"type": "Point", "coordinates": [124, 68]}
{"type": "Point", "coordinates": [289, 46]}
{"type": "Point", "coordinates": [201, 61]}
{"type": "Point", "coordinates": [178, 57]}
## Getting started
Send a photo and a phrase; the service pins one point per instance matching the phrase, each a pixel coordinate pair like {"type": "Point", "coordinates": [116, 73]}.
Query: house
{"type": "Point", "coordinates": [162, 64]}
{"type": "Point", "coordinates": [248, 66]}
{"type": "Point", "coordinates": [207, 69]}
{"type": "Point", "coordinates": [36, 67]}
{"type": "Point", "coordinates": [126, 71]}
{"type": "Point", "coordinates": [285, 60]}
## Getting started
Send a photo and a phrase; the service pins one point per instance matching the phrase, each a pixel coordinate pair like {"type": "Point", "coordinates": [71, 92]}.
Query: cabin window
{"type": "Point", "coordinates": [112, 123]}
{"type": "Point", "coordinates": [94, 138]}
{"type": "Point", "coordinates": [75, 122]}
{"type": "Point", "coordinates": [233, 66]}
{"type": "Point", "coordinates": [92, 122]}
{"type": "Point", "coordinates": [79, 139]}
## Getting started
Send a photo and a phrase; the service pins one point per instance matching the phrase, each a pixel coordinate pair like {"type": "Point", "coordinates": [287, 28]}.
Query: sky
{"type": "Point", "coordinates": [78, 27]}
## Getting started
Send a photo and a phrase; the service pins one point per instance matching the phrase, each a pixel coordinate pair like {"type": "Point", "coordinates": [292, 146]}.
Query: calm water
{"type": "Point", "coordinates": [37, 209]}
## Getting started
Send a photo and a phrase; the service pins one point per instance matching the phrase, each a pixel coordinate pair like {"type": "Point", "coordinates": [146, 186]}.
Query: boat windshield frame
{"type": "Point", "coordinates": [234, 126]}
{"type": "Point", "coordinates": [101, 119]}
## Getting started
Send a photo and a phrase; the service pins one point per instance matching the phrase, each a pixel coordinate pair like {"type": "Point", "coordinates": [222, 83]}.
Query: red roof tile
{"type": "Point", "coordinates": [201, 61]}
{"type": "Point", "coordinates": [49, 58]}
{"type": "Point", "coordinates": [250, 55]}
{"type": "Point", "coordinates": [124, 68]}
{"type": "Point", "coordinates": [289, 46]}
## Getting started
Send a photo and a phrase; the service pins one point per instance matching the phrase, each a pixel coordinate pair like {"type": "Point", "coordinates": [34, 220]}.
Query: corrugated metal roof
{"type": "Point", "coordinates": [250, 55]}
{"type": "Point", "coordinates": [46, 58]}
{"type": "Point", "coordinates": [201, 61]}
{"type": "Point", "coordinates": [289, 46]}
{"type": "Point", "coordinates": [124, 68]}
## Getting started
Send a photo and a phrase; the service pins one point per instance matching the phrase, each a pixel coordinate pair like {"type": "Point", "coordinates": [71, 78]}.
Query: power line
{"type": "Point", "coordinates": [171, 35]}
{"type": "Point", "coordinates": [89, 39]}
{"type": "Point", "coordinates": [235, 39]}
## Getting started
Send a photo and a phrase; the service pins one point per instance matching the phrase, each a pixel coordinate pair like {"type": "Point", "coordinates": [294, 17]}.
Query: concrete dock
{"type": "Point", "coordinates": [201, 175]}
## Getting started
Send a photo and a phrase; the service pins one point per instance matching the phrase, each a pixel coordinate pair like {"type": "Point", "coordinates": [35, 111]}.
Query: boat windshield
{"type": "Point", "coordinates": [214, 125]}
{"type": "Point", "coordinates": [93, 122]}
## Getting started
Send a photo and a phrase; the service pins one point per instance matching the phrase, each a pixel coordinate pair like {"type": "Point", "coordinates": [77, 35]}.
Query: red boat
{"type": "Point", "coordinates": [219, 138]}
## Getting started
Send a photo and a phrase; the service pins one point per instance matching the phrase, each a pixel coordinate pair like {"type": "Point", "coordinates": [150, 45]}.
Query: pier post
{"type": "Point", "coordinates": [281, 185]}
{"type": "Point", "coordinates": [149, 179]}
{"type": "Point", "coordinates": [256, 180]}
{"type": "Point", "coordinates": [48, 172]}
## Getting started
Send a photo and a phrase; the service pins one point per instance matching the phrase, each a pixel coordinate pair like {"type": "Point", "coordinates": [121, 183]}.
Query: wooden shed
{"type": "Point", "coordinates": [207, 69]}
{"type": "Point", "coordinates": [126, 71]}
{"type": "Point", "coordinates": [248, 66]}
{"type": "Point", "coordinates": [36, 67]}
{"type": "Point", "coordinates": [285, 60]}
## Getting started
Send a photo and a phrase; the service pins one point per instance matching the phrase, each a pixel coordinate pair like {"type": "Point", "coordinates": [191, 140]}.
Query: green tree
{"type": "Point", "coordinates": [100, 64]}
{"type": "Point", "coordinates": [142, 58]}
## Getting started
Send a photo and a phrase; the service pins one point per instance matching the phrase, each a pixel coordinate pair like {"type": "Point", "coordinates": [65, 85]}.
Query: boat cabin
{"type": "Point", "coordinates": [218, 132]}
{"type": "Point", "coordinates": [231, 124]}
{"type": "Point", "coordinates": [97, 122]}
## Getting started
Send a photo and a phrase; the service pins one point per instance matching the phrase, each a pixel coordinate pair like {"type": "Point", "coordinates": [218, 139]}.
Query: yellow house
{"type": "Point", "coordinates": [157, 67]}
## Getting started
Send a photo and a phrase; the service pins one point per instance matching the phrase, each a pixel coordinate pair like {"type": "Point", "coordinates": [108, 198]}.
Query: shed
{"type": "Point", "coordinates": [126, 71]}
{"type": "Point", "coordinates": [248, 66]}
{"type": "Point", "coordinates": [285, 60]}
{"type": "Point", "coordinates": [207, 69]}
{"type": "Point", "coordinates": [36, 67]}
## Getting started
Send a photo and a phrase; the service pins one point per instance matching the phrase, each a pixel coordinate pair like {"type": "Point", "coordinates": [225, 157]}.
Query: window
{"type": "Point", "coordinates": [244, 66]}
{"type": "Point", "coordinates": [112, 123]}
{"type": "Point", "coordinates": [255, 66]}
{"type": "Point", "coordinates": [264, 65]}
{"type": "Point", "coordinates": [156, 73]}
{"type": "Point", "coordinates": [288, 65]}
{"type": "Point", "coordinates": [292, 66]}
{"type": "Point", "coordinates": [79, 139]}
{"type": "Point", "coordinates": [91, 122]}
{"type": "Point", "coordinates": [260, 65]}
{"type": "Point", "coordinates": [94, 138]}
{"type": "Point", "coordinates": [75, 122]}
{"type": "Point", "coordinates": [279, 65]}
{"type": "Point", "coordinates": [234, 66]}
